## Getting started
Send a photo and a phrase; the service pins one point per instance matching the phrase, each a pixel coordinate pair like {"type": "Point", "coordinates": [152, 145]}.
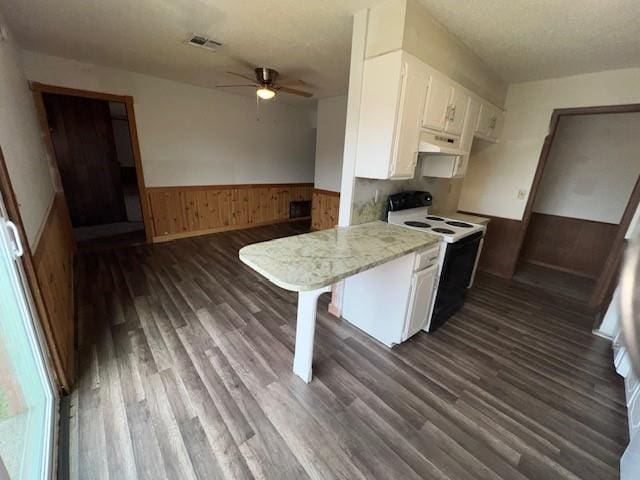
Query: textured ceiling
{"type": "Point", "coordinates": [310, 40]}
{"type": "Point", "coordinates": [304, 39]}
{"type": "Point", "coordinates": [535, 39]}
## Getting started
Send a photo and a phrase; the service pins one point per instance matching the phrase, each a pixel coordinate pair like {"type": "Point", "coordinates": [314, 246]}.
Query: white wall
{"type": "Point", "coordinates": [497, 172]}
{"type": "Point", "coordinates": [197, 136]}
{"type": "Point", "coordinates": [22, 145]}
{"type": "Point", "coordinates": [331, 120]}
{"type": "Point", "coordinates": [592, 168]}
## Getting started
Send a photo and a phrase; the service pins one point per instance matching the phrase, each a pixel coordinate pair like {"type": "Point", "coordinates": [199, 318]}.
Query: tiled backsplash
{"type": "Point", "coordinates": [445, 191]}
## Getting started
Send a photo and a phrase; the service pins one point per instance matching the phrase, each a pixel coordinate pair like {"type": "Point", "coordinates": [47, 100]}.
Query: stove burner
{"type": "Point", "coordinates": [417, 224]}
{"type": "Point", "coordinates": [437, 219]}
{"type": "Point", "coordinates": [453, 223]}
{"type": "Point", "coordinates": [443, 230]}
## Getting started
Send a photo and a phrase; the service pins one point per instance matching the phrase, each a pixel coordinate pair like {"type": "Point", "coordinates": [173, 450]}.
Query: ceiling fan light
{"type": "Point", "coordinates": [265, 93]}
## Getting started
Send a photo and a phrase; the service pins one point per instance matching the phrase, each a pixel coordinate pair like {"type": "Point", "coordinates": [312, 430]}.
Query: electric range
{"type": "Point", "coordinates": [450, 229]}
{"type": "Point", "coordinates": [458, 261]}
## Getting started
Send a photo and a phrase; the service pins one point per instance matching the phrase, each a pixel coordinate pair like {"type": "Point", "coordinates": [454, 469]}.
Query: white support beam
{"type": "Point", "coordinates": [305, 332]}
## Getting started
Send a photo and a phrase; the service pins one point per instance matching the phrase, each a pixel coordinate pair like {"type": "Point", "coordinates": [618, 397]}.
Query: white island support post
{"type": "Point", "coordinates": [305, 331]}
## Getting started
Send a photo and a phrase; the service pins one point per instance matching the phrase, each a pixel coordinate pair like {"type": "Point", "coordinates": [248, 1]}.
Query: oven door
{"type": "Point", "coordinates": [455, 277]}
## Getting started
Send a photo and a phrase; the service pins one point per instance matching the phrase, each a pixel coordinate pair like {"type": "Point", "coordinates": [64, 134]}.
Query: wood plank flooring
{"type": "Point", "coordinates": [185, 362]}
{"type": "Point", "coordinates": [563, 283]}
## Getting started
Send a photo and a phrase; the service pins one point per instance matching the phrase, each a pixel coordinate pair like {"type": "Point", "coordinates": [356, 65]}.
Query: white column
{"type": "Point", "coordinates": [305, 331]}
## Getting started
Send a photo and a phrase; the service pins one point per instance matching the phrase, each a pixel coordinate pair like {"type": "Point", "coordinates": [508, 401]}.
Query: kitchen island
{"type": "Point", "coordinates": [310, 263]}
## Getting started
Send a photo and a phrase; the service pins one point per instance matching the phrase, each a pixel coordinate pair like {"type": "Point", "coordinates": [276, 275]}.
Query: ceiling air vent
{"type": "Point", "coordinates": [203, 42]}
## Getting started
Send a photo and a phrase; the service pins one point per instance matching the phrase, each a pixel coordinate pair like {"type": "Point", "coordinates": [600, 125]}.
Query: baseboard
{"type": "Point", "coordinates": [559, 269]}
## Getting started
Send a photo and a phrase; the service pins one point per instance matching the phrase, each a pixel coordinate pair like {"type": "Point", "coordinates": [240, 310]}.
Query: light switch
{"type": "Point", "coordinates": [522, 194]}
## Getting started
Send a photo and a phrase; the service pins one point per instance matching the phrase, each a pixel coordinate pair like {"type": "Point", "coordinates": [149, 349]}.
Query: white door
{"type": "Point", "coordinates": [457, 112]}
{"type": "Point", "coordinates": [27, 394]}
{"type": "Point", "coordinates": [408, 127]}
{"type": "Point", "coordinates": [436, 108]}
{"type": "Point", "coordinates": [420, 302]}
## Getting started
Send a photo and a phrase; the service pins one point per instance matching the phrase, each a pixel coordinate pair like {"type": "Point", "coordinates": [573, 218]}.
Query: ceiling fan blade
{"type": "Point", "coordinates": [246, 77]}
{"type": "Point", "coordinates": [253, 85]}
{"type": "Point", "coordinates": [291, 82]}
{"type": "Point", "coordinates": [293, 91]}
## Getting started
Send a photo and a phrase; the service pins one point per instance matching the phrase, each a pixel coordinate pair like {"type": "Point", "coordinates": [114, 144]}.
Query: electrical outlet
{"type": "Point", "coordinates": [522, 194]}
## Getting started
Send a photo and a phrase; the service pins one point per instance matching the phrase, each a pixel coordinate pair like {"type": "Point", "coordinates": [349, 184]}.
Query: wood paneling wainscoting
{"type": "Point", "coordinates": [53, 264]}
{"type": "Point", "coordinates": [178, 212]}
{"type": "Point", "coordinates": [571, 245]}
{"type": "Point", "coordinates": [324, 209]}
{"type": "Point", "coordinates": [501, 246]}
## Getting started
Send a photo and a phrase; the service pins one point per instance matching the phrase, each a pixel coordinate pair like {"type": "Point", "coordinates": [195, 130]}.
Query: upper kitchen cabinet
{"type": "Point", "coordinates": [445, 106]}
{"type": "Point", "coordinates": [490, 122]}
{"type": "Point", "coordinates": [393, 93]}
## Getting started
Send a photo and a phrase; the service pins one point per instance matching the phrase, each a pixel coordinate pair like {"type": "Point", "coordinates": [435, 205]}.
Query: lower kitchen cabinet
{"type": "Point", "coordinates": [393, 301]}
{"type": "Point", "coordinates": [421, 300]}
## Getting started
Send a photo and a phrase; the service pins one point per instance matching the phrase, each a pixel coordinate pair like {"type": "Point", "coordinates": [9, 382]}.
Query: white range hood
{"type": "Point", "coordinates": [439, 144]}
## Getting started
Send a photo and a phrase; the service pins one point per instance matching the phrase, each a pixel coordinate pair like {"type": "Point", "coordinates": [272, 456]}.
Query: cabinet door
{"type": "Point", "coordinates": [457, 112]}
{"type": "Point", "coordinates": [436, 108]}
{"type": "Point", "coordinates": [490, 122]}
{"type": "Point", "coordinates": [420, 302]}
{"type": "Point", "coordinates": [382, 87]}
{"type": "Point", "coordinates": [495, 124]}
{"type": "Point", "coordinates": [484, 119]}
{"type": "Point", "coordinates": [405, 154]}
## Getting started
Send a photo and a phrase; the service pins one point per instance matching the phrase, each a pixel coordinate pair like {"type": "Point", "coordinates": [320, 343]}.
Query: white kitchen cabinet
{"type": "Point", "coordinates": [375, 300]}
{"type": "Point", "coordinates": [393, 91]}
{"type": "Point", "coordinates": [490, 122]}
{"type": "Point", "coordinates": [438, 99]}
{"type": "Point", "coordinates": [445, 106]}
{"type": "Point", "coordinates": [457, 112]}
{"type": "Point", "coordinates": [421, 300]}
{"type": "Point", "coordinates": [454, 166]}
{"type": "Point", "coordinates": [393, 301]}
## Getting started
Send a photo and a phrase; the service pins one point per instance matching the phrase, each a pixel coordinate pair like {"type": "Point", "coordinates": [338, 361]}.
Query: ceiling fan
{"type": "Point", "coordinates": [267, 84]}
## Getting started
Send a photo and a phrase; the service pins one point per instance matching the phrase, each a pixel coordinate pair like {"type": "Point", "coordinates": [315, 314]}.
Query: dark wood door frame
{"type": "Point", "coordinates": [11, 203]}
{"type": "Point", "coordinates": [606, 281]}
{"type": "Point", "coordinates": [40, 88]}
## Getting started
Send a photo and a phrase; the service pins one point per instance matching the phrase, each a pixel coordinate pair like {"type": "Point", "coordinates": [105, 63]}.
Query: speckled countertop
{"type": "Point", "coordinates": [314, 260]}
{"type": "Point", "coordinates": [463, 217]}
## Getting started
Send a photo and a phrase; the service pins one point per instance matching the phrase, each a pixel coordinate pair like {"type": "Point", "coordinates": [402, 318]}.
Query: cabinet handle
{"type": "Point", "coordinates": [453, 113]}
{"type": "Point", "coordinates": [447, 115]}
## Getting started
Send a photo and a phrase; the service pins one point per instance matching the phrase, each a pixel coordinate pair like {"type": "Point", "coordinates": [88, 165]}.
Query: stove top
{"type": "Point", "coordinates": [417, 224]}
{"type": "Point", "coordinates": [449, 229]}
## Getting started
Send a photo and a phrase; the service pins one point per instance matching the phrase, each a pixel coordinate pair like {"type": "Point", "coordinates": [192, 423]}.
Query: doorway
{"type": "Point", "coordinates": [585, 189]}
{"type": "Point", "coordinates": [93, 138]}
{"type": "Point", "coordinates": [95, 159]}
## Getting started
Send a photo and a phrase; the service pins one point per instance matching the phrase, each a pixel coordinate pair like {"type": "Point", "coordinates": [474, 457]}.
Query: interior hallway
{"type": "Point", "coordinates": [185, 372]}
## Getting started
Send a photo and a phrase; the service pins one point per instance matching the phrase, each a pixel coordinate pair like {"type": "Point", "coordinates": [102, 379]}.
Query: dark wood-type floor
{"type": "Point", "coordinates": [185, 372]}
{"type": "Point", "coordinates": [565, 284]}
